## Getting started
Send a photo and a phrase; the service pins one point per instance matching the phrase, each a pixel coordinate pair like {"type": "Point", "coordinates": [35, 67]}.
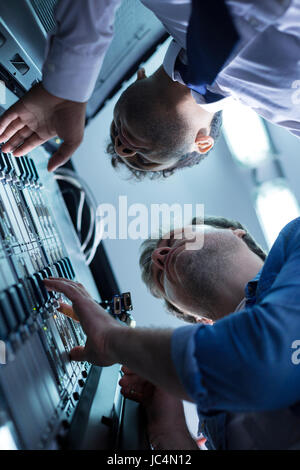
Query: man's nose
{"type": "Point", "coordinates": [122, 150]}
{"type": "Point", "coordinates": [159, 256]}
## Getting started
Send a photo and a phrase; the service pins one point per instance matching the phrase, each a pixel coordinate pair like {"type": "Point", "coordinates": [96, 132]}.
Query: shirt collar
{"type": "Point", "coordinates": [250, 293]}
{"type": "Point", "coordinates": [172, 53]}
{"type": "Point", "coordinates": [250, 289]}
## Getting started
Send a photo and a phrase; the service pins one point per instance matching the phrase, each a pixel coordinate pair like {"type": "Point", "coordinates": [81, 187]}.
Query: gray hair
{"type": "Point", "coordinates": [148, 247]}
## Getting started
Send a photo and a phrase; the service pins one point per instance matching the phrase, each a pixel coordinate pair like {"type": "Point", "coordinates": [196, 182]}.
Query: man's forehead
{"type": "Point", "coordinates": [181, 231]}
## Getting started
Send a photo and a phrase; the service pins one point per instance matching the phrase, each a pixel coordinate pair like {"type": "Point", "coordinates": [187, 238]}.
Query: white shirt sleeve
{"type": "Point", "coordinates": [77, 49]}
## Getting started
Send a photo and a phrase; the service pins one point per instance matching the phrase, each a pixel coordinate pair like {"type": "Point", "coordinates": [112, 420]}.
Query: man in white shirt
{"type": "Point", "coordinates": [262, 72]}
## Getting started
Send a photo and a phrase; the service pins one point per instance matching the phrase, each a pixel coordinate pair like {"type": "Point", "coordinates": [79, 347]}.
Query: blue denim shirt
{"type": "Point", "coordinates": [244, 362]}
{"type": "Point", "coordinates": [213, 426]}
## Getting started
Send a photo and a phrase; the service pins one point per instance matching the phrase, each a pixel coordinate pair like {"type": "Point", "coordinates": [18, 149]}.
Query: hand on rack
{"type": "Point", "coordinates": [39, 116]}
{"type": "Point", "coordinates": [145, 350]}
{"type": "Point", "coordinates": [67, 310]}
{"type": "Point", "coordinates": [94, 320]}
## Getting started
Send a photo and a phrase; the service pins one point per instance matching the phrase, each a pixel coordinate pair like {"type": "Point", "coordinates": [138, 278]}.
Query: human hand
{"type": "Point", "coordinates": [67, 310]}
{"type": "Point", "coordinates": [166, 425]}
{"type": "Point", "coordinates": [146, 351]}
{"type": "Point", "coordinates": [164, 411]}
{"type": "Point", "coordinates": [135, 387]}
{"type": "Point", "coordinates": [95, 321]}
{"type": "Point", "coordinates": [37, 117]}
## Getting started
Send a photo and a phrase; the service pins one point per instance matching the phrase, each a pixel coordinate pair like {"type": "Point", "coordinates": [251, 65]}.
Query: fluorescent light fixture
{"type": "Point", "coordinates": [276, 205]}
{"type": "Point", "coordinates": [245, 134]}
{"type": "Point", "coordinates": [7, 441]}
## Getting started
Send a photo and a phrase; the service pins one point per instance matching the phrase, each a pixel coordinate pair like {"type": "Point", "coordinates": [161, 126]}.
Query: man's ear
{"type": "Point", "coordinates": [141, 74]}
{"type": "Point", "coordinates": [239, 232]}
{"type": "Point", "coordinates": [204, 143]}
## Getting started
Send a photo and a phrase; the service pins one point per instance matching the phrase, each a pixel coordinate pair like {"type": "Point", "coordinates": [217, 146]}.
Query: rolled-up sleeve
{"type": "Point", "coordinates": [183, 354]}
{"type": "Point", "coordinates": [77, 49]}
{"type": "Point", "coordinates": [244, 362]}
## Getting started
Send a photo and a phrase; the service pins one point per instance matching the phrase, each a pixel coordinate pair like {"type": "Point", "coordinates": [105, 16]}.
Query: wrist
{"type": "Point", "coordinates": [165, 413]}
{"type": "Point", "coordinates": [179, 440]}
{"type": "Point", "coordinates": [53, 99]}
{"type": "Point", "coordinates": [163, 427]}
{"type": "Point", "coordinates": [114, 338]}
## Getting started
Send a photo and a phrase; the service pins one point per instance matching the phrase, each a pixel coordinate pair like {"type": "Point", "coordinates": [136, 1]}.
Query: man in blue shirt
{"type": "Point", "coordinates": [246, 361]}
{"type": "Point", "coordinates": [167, 430]}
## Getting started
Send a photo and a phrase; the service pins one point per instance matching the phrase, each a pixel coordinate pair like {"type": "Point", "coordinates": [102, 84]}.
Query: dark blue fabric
{"type": "Point", "coordinates": [213, 426]}
{"type": "Point", "coordinates": [184, 72]}
{"type": "Point", "coordinates": [244, 362]}
{"type": "Point", "coordinates": [211, 38]}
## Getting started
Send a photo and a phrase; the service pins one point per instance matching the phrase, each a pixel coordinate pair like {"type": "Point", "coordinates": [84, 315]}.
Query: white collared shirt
{"type": "Point", "coordinates": [263, 73]}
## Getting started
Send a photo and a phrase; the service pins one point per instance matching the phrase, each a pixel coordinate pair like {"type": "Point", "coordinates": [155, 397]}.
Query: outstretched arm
{"type": "Point", "coordinates": [56, 107]}
{"type": "Point", "coordinates": [244, 362]}
{"type": "Point", "coordinates": [145, 351]}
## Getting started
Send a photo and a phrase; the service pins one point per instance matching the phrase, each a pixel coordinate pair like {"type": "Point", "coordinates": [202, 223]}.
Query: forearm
{"type": "Point", "coordinates": [147, 352]}
{"type": "Point", "coordinates": [166, 426]}
{"type": "Point", "coordinates": [77, 49]}
{"type": "Point", "coordinates": [181, 440]}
